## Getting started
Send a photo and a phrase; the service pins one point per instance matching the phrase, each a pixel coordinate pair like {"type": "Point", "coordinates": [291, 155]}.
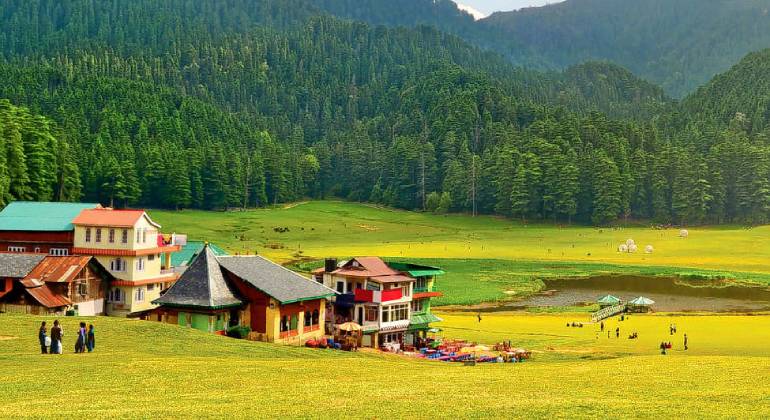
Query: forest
{"type": "Point", "coordinates": [247, 103]}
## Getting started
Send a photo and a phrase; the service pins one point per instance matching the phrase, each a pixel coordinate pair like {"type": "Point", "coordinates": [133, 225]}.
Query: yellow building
{"type": "Point", "coordinates": [128, 244]}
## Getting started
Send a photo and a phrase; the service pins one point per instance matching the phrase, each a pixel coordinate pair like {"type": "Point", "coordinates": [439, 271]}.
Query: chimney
{"type": "Point", "coordinates": [330, 264]}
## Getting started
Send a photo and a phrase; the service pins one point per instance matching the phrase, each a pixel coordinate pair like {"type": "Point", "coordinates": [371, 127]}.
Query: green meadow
{"type": "Point", "coordinates": [486, 258]}
{"type": "Point", "coordinates": [143, 369]}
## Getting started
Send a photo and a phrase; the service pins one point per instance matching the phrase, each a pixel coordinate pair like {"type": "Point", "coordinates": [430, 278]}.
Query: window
{"type": "Point", "coordinates": [151, 257]}
{"type": "Point", "coordinates": [315, 317]}
{"type": "Point", "coordinates": [417, 305]}
{"type": "Point", "coordinates": [294, 321]}
{"type": "Point", "coordinates": [140, 264]}
{"type": "Point", "coordinates": [37, 250]}
{"type": "Point", "coordinates": [115, 296]}
{"type": "Point", "coordinates": [16, 249]}
{"type": "Point", "coordinates": [88, 234]}
{"type": "Point", "coordinates": [406, 290]}
{"type": "Point", "coordinates": [98, 235]}
{"type": "Point", "coordinates": [151, 287]}
{"type": "Point", "coordinates": [144, 235]}
{"type": "Point", "coordinates": [341, 287]}
{"type": "Point", "coordinates": [112, 236]}
{"type": "Point", "coordinates": [421, 284]}
{"type": "Point", "coordinates": [391, 338]}
{"type": "Point", "coordinates": [308, 318]}
{"type": "Point", "coordinates": [373, 286]}
{"type": "Point", "coordinates": [59, 252]}
{"type": "Point", "coordinates": [118, 264]}
{"type": "Point", "coordinates": [394, 313]}
{"type": "Point", "coordinates": [139, 295]}
{"type": "Point", "coordinates": [124, 236]}
{"type": "Point", "coordinates": [140, 235]}
{"type": "Point", "coordinates": [284, 323]}
{"type": "Point", "coordinates": [83, 289]}
{"type": "Point", "coordinates": [371, 313]}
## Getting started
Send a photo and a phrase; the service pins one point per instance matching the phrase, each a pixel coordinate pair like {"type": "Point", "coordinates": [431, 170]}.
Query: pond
{"type": "Point", "coordinates": [669, 294]}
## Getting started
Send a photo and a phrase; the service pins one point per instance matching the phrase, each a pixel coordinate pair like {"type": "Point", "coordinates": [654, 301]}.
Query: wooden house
{"type": "Point", "coordinates": [38, 284]}
{"type": "Point", "coordinates": [278, 304]}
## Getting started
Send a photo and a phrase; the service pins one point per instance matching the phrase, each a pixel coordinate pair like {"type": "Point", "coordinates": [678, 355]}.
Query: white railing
{"type": "Point", "coordinates": [607, 312]}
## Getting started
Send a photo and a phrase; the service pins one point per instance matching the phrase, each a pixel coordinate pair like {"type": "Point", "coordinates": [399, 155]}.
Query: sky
{"type": "Point", "coordinates": [487, 7]}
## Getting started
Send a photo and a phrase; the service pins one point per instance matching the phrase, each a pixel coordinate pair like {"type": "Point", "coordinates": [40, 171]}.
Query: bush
{"type": "Point", "coordinates": [238, 331]}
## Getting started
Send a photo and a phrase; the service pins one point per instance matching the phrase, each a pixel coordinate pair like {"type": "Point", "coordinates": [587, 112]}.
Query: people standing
{"type": "Point", "coordinates": [56, 336]}
{"type": "Point", "coordinates": [80, 343]}
{"type": "Point", "coordinates": [42, 335]}
{"type": "Point", "coordinates": [602, 325]}
{"type": "Point", "coordinates": [685, 341]}
{"type": "Point", "coordinates": [91, 340]}
{"type": "Point", "coordinates": [617, 332]}
{"type": "Point", "coordinates": [479, 316]}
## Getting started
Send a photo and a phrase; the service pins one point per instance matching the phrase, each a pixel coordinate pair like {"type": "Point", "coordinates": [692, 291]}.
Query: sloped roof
{"type": "Point", "coordinates": [416, 270]}
{"type": "Point", "coordinates": [41, 216]}
{"type": "Point", "coordinates": [609, 299]}
{"type": "Point", "coordinates": [46, 297]}
{"type": "Point", "coordinates": [18, 265]}
{"type": "Point", "coordinates": [111, 217]}
{"type": "Point", "coordinates": [59, 269]}
{"type": "Point", "coordinates": [280, 283]}
{"type": "Point", "coordinates": [367, 267]}
{"type": "Point", "coordinates": [642, 301]}
{"type": "Point", "coordinates": [185, 255]}
{"type": "Point", "coordinates": [201, 285]}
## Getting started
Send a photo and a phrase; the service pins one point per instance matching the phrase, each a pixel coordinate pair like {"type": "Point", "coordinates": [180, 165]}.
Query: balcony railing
{"type": "Point", "coordinates": [375, 296]}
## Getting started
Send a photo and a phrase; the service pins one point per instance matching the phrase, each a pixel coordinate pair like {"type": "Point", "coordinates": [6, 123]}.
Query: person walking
{"type": "Point", "coordinates": [479, 317]}
{"type": "Point", "coordinates": [91, 339]}
{"type": "Point", "coordinates": [42, 336]}
{"type": "Point", "coordinates": [685, 341]}
{"type": "Point", "coordinates": [602, 325]}
{"type": "Point", "coordinates": [617, 332]}
{"type": "Point", "coordinates": [56, 336]}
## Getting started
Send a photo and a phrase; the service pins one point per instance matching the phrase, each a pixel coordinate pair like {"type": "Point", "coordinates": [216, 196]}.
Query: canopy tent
{"type": "Point", "coordinates": [642, 301]}
{"type": "Point", "coordinates": [608, 300]}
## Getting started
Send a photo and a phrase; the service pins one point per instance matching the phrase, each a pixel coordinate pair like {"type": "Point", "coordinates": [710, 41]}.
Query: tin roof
{"type": "Point", "coordinates": [275, 280]}
{"type": "Point", "coordinates": [41, 216]}
{"type": "Point", "coordinates": [18, 265]}
{"type": "Point", "coordinates": [46, 297]}
{"type": "Point", "coordinates": [111, 217]}
{"type": "Point", "coordinates": [59, 269]}
{"type": "Point", "coordinates": [201, 285]}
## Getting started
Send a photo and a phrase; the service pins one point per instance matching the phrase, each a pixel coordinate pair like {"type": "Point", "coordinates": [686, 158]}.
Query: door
{"type": "Point", "coordinates": [360, 319]}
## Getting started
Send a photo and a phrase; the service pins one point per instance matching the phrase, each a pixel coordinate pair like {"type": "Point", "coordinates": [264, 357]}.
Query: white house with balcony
{"type": "Point", "coordinates": [372, 294]}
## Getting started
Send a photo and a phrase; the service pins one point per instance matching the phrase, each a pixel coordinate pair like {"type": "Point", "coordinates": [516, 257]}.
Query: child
{"type": "Point", "coordinates": [91, 340]}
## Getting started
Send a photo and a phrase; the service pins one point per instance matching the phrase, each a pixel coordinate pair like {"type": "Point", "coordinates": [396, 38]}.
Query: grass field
{"type": "Point", "coordinates": [150, 370]}
{"type": "Point", "coordinates": [486, 258]}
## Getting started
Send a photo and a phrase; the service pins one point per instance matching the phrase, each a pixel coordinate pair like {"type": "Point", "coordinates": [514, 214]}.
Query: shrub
{"type": "Point", "coordinates": [238, 331]}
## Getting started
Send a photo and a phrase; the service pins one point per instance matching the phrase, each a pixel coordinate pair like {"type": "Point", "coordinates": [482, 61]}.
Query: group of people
{"type": "Point", "coordinates": [86, 339]}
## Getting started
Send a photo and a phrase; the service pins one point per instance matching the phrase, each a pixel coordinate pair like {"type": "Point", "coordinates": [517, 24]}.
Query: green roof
{"type": "Point", "coordinates": [421, 321]}
{"type": "Point", "coordinates": [609, 300]}
{"type": "Point", "coordinates": [416, 270]}
{"type": "Point", "coordinates": [41, 216]}
{"type": "Point", "coordinates": [185, 255]}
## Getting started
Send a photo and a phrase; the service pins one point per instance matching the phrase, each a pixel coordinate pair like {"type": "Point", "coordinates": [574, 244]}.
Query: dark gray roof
{"type": "Point", "coordinates": [280, 283]}
{"type": "Point", "coordinates": [201, 285]}
{"type": "Point", "coordinates": [18, 265]}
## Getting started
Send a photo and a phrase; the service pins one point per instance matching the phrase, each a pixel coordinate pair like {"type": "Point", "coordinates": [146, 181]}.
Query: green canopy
{"type": "Point", "coordinates": [642, 301]}
{"type": "Point", "coordinates": [609, 300]}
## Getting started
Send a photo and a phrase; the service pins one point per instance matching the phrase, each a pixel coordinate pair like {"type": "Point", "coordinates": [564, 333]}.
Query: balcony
{"type": "Point", "coordinates": [373, 296]}
{"type": "Point", "coordinates": [345, 299]}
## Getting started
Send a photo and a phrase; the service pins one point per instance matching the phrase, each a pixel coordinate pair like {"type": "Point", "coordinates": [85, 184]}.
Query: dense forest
{"type": "Point", "coordinates": [243, 103]}
{"type": "Point", "coordinates": [678, 44]}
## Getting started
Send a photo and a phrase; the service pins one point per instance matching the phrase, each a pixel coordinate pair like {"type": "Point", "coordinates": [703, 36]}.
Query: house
{"type": "Point", "coordinates": [202, 298]}
{"type": "Point", "coordinates": [39, 284]}
{"type": "Point", "coordinates": [423, 292]}
{"type": "Point", "coordinates": [279, 305]}
{"type": "Point", "coordinates": [39, 227]}
{"type": "Point", "coordinates": [380, 298]}
{"type": "Point", "coordinates": [130, 246]}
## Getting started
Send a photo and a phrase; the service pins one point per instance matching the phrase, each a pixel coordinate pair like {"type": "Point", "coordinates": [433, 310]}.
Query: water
{"type": "Point", "coordinates": [669, 294]}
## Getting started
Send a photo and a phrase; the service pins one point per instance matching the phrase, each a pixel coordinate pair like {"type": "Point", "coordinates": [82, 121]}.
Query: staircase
{"type": "Point", "coordinates": [607, 312]}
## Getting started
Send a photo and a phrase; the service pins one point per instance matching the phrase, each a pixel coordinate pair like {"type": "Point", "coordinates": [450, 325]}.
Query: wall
{"type": "Point", "coordinates": [31, 240]}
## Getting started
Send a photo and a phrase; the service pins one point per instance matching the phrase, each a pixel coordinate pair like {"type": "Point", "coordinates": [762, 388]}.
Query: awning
{"type": "Point", "coordinates": [642, 301]}
{"type": "Point", "coordinates": [608, 300]}
{"type": "Point", "coordinates": [425, 273]}
{"type": "Point", "coordinates": [422, 321]}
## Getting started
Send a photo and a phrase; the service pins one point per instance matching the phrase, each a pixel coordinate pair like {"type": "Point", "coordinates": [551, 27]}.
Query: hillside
{"type": "Point", "coordinates": [191, 373]}
{"type": "Point", "coordinates": [677, 44]}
